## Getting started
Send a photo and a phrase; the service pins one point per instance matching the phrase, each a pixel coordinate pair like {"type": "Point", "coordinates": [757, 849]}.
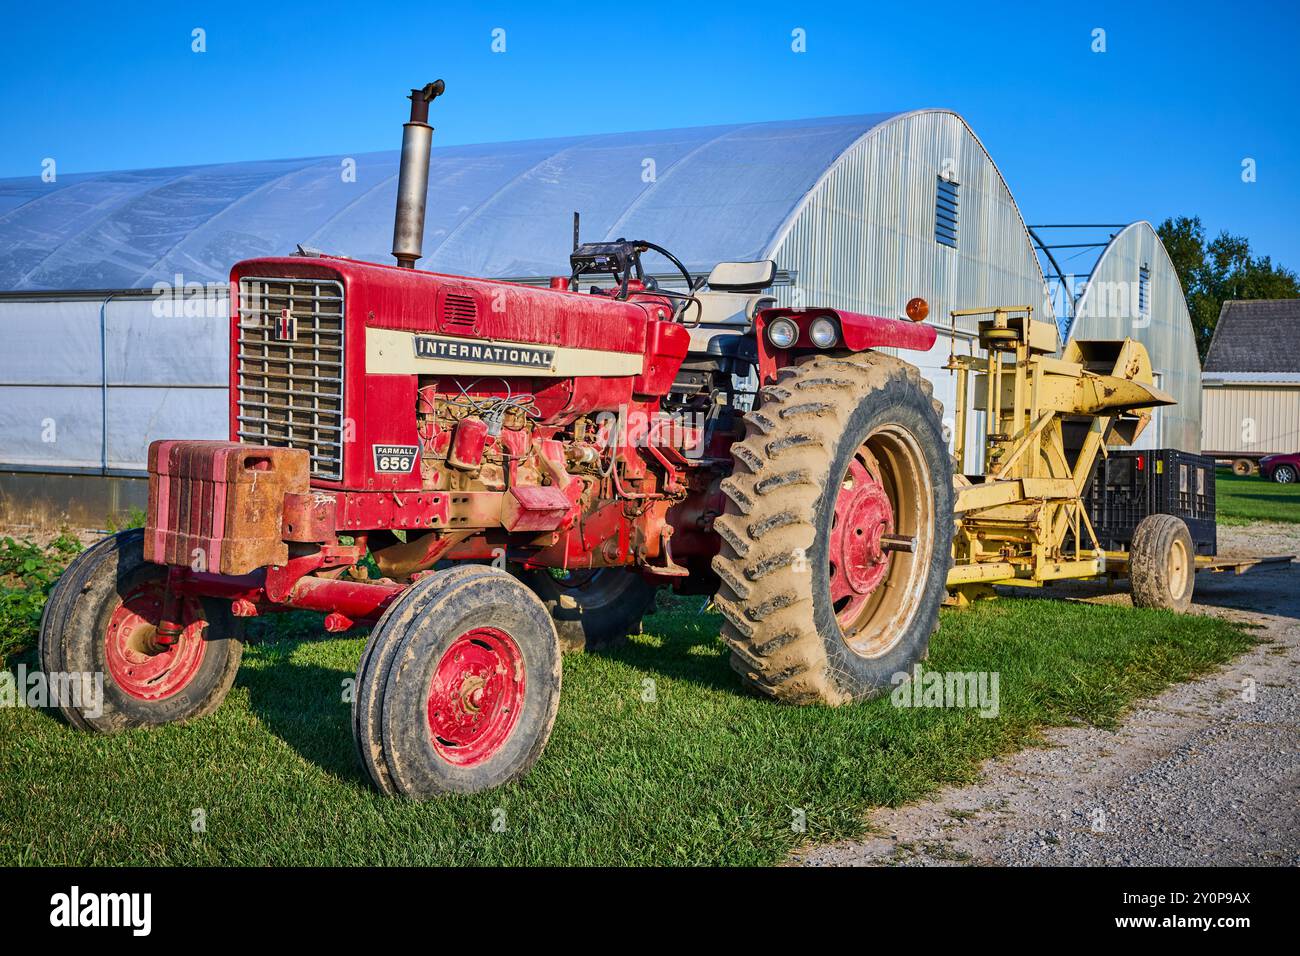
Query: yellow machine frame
{"type": "Point", "coordinates": [1045, 421]}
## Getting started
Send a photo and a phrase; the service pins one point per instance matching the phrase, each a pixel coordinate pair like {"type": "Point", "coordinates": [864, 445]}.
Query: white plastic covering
{"type": "Point", "coordinates": [161, 376]}
{"type": "Point", "coordinates": [497, 210]}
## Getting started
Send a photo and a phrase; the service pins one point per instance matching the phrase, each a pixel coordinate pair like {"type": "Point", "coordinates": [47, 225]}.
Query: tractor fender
{"type": "Point", "coordinates": [857, 333]}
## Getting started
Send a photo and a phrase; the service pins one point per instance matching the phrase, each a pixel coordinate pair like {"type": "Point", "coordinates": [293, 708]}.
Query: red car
{"type": "Point", "coordinates": [1284, 469]}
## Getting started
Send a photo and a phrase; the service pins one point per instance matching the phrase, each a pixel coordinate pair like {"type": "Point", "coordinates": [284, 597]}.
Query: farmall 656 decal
{"type": "Point", "coordinates": [394, 459]}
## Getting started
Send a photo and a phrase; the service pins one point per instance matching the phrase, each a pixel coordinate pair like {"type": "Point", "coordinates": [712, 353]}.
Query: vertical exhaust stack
{"type": "Point", "coordinates": [413, 178]}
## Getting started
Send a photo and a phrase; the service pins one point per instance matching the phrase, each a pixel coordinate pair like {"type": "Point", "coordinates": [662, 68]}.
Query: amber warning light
{"type": "Point", "coordinates": [917, 309]}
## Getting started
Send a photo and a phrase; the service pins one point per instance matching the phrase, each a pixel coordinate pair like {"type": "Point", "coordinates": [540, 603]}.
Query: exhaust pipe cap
{"type": "Point", "coordinates": [413, 177]}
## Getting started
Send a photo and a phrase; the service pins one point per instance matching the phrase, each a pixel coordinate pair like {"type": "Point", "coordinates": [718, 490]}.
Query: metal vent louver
{"type": "Point", "coordinates": [946, 200]}
{"type": "Point", "coordinates": [459, 313]}
{"type": "Point", "coordinates": [289, 368]}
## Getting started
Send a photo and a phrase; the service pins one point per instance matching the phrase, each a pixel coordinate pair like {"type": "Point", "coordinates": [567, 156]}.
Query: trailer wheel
{"type": "Point", "coordinates": [1162, 563]}
{"type": "Point", "coordinates": [459, 685]}
{"type": "Point", "coordinates": [98, 631]}
{"type": "Point", "coordinates": [593, 608]}
{"type": "Point", "coordinates": [844, 461]}
{"type": "Point", "coordinates": [1284, 474]}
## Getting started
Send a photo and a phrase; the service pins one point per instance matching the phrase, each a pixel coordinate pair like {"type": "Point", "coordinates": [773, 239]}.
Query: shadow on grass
{"type": "Point", "coordinates": [302, 705]}
{"type": "Point", "coordinates": [683, 646]}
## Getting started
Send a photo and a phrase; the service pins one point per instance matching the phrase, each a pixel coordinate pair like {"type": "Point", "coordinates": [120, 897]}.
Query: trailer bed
{"type": "Point", "coordinates": [1117, 563]}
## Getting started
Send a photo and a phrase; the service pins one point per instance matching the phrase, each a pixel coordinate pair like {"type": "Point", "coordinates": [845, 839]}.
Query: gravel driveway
{"type": "Point", "coordinates": [1198, 775]}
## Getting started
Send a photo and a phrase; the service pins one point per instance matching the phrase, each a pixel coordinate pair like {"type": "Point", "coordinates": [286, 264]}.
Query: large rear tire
{"type": "Point", "coordinates": [458, 687]}
{"type": "Point", "coordinates": [593, 608]}
{"type": "Point", "coordinates": [98, 630]}
{"type": "Point", "coordinates": [1162, 563]}
{"type": "Point", "coordinates": [844, 460]}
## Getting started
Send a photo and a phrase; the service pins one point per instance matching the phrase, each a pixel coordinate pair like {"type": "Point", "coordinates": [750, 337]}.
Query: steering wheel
{"type": "Point", "coordinates": [682, 300]}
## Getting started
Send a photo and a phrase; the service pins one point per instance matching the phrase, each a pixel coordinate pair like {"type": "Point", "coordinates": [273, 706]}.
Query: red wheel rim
{"type": "Point", "coordinates": [138, 664]}
{"type": "Point", "coordinates": [862, 514]}
{"type": "Point", "coordinates": [475, 696]}
{"type": "Point", "coordinates": [876, 586]}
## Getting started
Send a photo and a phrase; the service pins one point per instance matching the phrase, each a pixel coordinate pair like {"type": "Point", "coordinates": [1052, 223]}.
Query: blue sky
{"type": "Point", "coordinates": [1159, 124]}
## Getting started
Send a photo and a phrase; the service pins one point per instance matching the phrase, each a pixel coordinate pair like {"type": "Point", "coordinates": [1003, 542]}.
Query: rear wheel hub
{"type": "Point", "coordinates": [883, 499]}
{"type": "Point", "coordinates": [863, 514]}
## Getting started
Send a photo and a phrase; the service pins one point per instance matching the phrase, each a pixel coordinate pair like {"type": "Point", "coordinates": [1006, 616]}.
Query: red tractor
{"type": "Point", "coordinates": [488, 473]}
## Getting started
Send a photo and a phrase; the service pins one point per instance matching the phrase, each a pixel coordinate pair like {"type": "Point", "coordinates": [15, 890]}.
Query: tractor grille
{"type": "Point", "coordinates": [290, 368]}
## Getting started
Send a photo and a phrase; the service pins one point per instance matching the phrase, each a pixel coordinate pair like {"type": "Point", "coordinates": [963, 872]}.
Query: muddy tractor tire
{"type": "Point", "coordinates": [99, 628]}
{"type": "Point", "coordinates": [593, 609]}
{"type": "Point", "coordinates": [1162, 563]}
{"type": "Point", "coordinates": [837, 536]}
{"type": "Point", "coordinates": [458, 685]}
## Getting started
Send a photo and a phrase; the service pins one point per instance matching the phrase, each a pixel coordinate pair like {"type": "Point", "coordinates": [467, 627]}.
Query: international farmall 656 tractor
{"type": "Point", "coordinates": [487, 472]}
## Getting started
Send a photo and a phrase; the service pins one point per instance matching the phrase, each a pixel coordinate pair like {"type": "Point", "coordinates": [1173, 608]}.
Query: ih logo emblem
{"type": "Point", "coordinates": [285, 327]}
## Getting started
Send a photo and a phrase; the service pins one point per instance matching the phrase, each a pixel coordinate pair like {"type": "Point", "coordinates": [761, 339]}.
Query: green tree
{"type": "Point", "coordinates": [1223, 269]}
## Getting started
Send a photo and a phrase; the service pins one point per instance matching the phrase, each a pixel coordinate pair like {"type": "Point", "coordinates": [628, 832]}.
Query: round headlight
{"type": "Point", "coordinates": [822, 333]}
{"type": "Point", "coordinates": [782, 333]}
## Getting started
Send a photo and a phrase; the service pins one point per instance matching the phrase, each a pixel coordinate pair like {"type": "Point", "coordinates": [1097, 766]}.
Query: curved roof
{"type": "Point", "coordinates": [1118, 302]}
{"type": "Point", "coordinates": [497, 209]}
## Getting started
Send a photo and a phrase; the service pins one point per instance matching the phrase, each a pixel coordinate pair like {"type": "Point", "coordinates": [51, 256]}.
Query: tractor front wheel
{"type": "Point", "coordinates": [593, 608]}
{"type": "Point", "coordinates": [100, 651]}
{"type": "Point", "coordinates": [458, 686]}
{"type": "Point", "coordinates": [837, 536]}
{"type": "Point", "coordinates": [1162, 563]}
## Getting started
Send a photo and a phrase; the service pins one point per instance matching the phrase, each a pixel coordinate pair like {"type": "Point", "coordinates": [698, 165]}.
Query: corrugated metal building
{"type": "Point", "coordinates": [861, 212]}
{"type": "Point", "coordinates": [1251, 379]}
{"type": "Point", "coordinates": [1133, 291]}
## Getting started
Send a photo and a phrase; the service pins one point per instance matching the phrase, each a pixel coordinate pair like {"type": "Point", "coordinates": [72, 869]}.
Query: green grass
{"type": "Point", "coordinates": [705, 774]}
{"type": "Point", "coordinates": [1240, 500]}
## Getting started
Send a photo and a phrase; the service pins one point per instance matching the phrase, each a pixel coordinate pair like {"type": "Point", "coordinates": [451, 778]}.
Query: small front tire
{"type": "Point", "coordinates": [459, 685]}
{"type": "Point", "coordinates": [100, 655]}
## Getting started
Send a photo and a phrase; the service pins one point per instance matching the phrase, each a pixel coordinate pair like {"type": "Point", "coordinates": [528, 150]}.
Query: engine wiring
{"type": "Point", "coordinates": [493, 409]}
